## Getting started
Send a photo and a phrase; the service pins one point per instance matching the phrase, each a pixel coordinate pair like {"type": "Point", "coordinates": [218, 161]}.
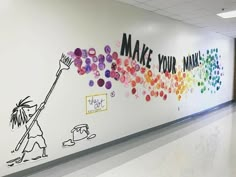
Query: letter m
{"type": "Point", "coordinates": [126, 46]}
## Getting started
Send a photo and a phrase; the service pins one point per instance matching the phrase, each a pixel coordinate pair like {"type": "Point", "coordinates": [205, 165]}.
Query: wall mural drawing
{"type": "Point", "coordinates": [131, 68]}
{"type": "Point", "coordinates": [79, 132]}
{"type": "Point", "coordinates": [26, 114]}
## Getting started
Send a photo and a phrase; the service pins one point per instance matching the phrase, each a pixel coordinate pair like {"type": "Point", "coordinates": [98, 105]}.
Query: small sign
{"type": "Point", "coordinates": [96, 103]}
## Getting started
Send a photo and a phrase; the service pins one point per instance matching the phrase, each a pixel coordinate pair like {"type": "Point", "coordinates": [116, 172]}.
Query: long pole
{"type": "Point", "coordinates": [38, 112]}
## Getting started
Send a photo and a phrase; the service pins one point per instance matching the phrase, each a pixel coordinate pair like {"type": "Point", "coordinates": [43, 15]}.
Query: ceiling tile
{"type": "Point", "coordinates": [200, 13]}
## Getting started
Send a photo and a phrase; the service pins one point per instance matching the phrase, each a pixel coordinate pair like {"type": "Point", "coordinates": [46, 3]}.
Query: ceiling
{"type": "Point", "coordinates": [201, 13]}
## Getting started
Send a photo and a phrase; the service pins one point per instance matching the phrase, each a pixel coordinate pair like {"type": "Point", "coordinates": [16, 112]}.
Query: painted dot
{"type": "Point", "coordinates": [92, 52]}
{"type": "Point", "coordinates": [133, 91]}
{"type": "Point", "coordinates": [91, 83]}
{"type": "Point", "coordinates": [108, 85]}
{"type": "Point", "coordinates": [109, 58]}
{"type": "Point", "coordinates": [78, 52]}
{"type": "Point", "coordinates": [149, 73]}
{"type": "Point", "coordinates": [88, 68]}
{"type": "Point", "coordinates": [133, 83]}
{"type": "Point", "coordinates": [81, 71]}
{"type": "Point", "coordinates": [114, 55]}
{"type": "Point", "coordinates": [101, 58]}
{"type": "Point", "coordinates": [157, 93]}
{"type": "Point", "coordinates": [148, 98]}
{"type": "Point", "coordinates": [88, 61]}
{"type": "Point", "coordinates": [137, 67]}
{"type": "Point", "coordinates": [113, 66]}
{"type": "Point", "coordinates": [97, 73]}
{"type": "Point", "coordinates": [138, 79]}
{"type": "Point", "coordinates": [126, 62]}
{"type": "Point", "coordinates": [107, 49]}
{"type": "Point", "coordinates": [143, 70]}
{"type": "Point", "coordinates": [107, 73]}
{"type": "Point", "coordinates": [152, 93]}
{"type": "Point", "coordinates": [101, 66]}
{"type": "Point", "coordinates": [84, 53]}
{"type": "Point", "coordinates": [117, 76]}
{"type": "Point", "coordinates": [165, 97]}
{"type": "Point", "coordinates": [94, 67]}
{"type": "Point", "coordinates": [95, 59]}
{"type": "Point", "coordinates": [161, 93]}
{"type": "Point", "coordinates": [100, 82]}
{"type": "Point", "coordinates": [118, 61]}
{"type": "Point", "coordinates": [122, 79]}
{"type": "Point", "coordinates": [78, 62]}
{"type": "Point", "coordinates": [112, 73]}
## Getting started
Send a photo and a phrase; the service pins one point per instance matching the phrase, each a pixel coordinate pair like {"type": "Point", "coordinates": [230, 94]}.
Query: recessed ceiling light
{"type": "Point", "coordinates": [230, 14]}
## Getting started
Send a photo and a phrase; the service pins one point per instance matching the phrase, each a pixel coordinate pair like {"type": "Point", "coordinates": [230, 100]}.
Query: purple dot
{"type": "Point", "coordinates": [101, 66]}
{"type": "Point", "coordinates": [88, 61]}
{"type": "Point", "coordinates": [84, 53]}
{"type": "Point", "coordinates": [88, 68]}
{"type": "Point", "coordinates": [107, 49]}
{"type": "Point", "coordinates": [100, 82]}
{"type": "Point", "coordinates": [92, 52]}
{"type": "Point", "coordinates": [109, 58]}
{"type": "Point", "coordinates": [137, 67]}
{"type": "Point", "coordinates": [78, 62]}
{"type": "Point", "coordinates": [108, 85]}
{"type": "Point", "coordinates": [78, 52]}
{"type": "Point", "coordinates": [91, 83]}
{"type": "Point", "coordinates": [101, 58]}
{"type": "Point", "coordinates": [95, 59]}
{"type": "Point", "coordinates": [107, 73]}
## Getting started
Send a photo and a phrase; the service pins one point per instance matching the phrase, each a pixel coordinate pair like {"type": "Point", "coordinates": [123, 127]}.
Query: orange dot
{"type": "Point", "coordinates": [152, 93]}
{"type": "Point", "coordinates": [133, 83]}
{"type": "Point", "coordinates": [126, 62]}
{"type": "Point", "coordinates": [179, 97]}
{"type": "Point", "coordinates": [152, 82]}
{"type": "Point", "coordinates": [149, 73]}
{"type": "Point", "coordinates": [156, 94]}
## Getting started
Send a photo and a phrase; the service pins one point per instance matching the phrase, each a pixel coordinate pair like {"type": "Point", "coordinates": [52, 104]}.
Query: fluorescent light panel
{"type": "Point", "coordinates": [230, 14]}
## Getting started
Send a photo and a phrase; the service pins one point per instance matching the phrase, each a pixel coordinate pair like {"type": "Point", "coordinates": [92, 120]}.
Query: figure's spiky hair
{"type": "Point", "coordinates": [18, 115]}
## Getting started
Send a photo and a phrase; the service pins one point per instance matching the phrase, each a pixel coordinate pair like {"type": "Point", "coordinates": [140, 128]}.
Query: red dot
{"type": "Point", "coordinates": [161, 93]}
{"type": "Point", "coordinates": [148, 98]}
{"type": "Point", "coordinates": [133, 91]}
{"type": "Point", "coordinates": [143, 70]}
{"type": "Point", "coordinates": [165, 97]}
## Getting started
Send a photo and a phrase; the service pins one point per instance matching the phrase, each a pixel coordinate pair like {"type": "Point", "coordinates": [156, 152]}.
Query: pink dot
{"type": "Point", "coordinates": [122, 79]}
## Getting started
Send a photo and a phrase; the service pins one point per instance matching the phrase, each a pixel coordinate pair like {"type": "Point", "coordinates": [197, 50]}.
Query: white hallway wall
{"type": "Point", "coordinates": [33, 36]}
